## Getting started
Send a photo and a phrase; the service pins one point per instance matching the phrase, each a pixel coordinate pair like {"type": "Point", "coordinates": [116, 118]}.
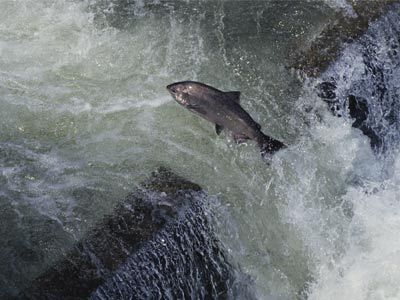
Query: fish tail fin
{"type": "Point", "coordinates": [268, 145]}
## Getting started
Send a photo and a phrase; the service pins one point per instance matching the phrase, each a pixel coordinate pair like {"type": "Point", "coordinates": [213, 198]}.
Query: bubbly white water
{"type": "Point", "coordinates": [85, 116]}
{"type": "Point", "coordinates": [369, 266]}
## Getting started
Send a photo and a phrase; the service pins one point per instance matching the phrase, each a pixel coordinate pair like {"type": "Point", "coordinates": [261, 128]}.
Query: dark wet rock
{"type": "Point", "coordinates": [158, 244]}
{"type": "Point", "coordinates": [341, 29]}
{"type": "Point", "coordinates": [165, 181]}
{"type": "Point", "coordinates": [358, 110]}
{"type": "Point", "coordinates": [336, 109]}
{"type": "Point", "coordinates": [326, 90]}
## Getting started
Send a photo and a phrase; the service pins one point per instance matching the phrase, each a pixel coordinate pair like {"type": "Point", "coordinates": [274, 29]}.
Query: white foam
{"type": "Point", "coordinates": [369, 268]}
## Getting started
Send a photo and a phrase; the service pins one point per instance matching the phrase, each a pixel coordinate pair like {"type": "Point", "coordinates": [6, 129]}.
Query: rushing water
{"type": "Point", "coordinates": [85, 116]}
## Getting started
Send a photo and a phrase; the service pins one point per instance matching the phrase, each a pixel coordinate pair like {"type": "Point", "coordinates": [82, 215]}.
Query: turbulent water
{"type": "Point", "coordinates": [85, 116]}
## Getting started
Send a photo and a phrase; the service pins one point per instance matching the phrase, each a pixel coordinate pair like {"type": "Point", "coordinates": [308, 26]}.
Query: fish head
{"type": "Point", "coordinates": [183, 93]}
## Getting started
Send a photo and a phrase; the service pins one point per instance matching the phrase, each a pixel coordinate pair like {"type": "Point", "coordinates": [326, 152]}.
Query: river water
{"type": "Point", "coordinates": [85, 116]}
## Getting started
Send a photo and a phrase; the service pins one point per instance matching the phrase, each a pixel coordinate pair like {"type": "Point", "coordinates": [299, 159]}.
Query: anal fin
{"type": "Point", "coordinates": [240, 138]}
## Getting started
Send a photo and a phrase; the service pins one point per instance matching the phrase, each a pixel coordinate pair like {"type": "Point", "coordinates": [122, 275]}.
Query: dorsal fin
{"type": "Point", "coordinates": [234, 95]}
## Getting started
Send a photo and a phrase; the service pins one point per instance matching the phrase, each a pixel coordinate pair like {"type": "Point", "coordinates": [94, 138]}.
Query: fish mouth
{"type": "Point", "coordinates": [174, 93]}
{"type": "Point", "coordinates": [178, 97]}
{"type": "Point", "coordinates": [171, 88]}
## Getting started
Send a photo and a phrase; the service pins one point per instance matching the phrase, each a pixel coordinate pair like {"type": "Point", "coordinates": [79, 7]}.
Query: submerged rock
{"type": "Point", "coordinates": [358, 110]}
{"type": "Point", "coordinates": [326, 90]}
{"type": "Point", "coordinates": [158, 244]}
{"type": "Point", "coordinates": [342, 28]}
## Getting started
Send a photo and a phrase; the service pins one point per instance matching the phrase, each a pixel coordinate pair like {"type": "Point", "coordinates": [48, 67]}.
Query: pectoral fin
{"type": "Point", "coordinates": [235, 96]}
{"type": "Point", "coordinates": [218, 128]}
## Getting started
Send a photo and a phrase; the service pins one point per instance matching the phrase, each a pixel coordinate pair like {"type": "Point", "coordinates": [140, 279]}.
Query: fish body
{"type": "Point", "coordinates": [224, 110]}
